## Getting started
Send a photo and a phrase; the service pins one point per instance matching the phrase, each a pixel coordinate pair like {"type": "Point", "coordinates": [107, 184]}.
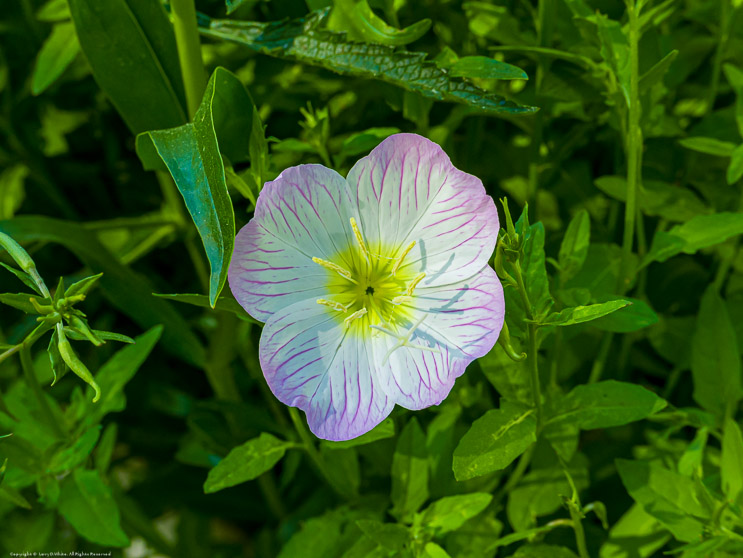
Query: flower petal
{"type": "Point", "coordinates": [302, 214]}
{"type": "Point", "coordinates": [460, 322]}
{"type": "Point", "coordinates": [408, 190]}
{"type": "Point", "coordinates": [309, 362]}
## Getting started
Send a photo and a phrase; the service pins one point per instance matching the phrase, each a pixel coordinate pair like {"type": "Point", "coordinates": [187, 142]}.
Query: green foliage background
{"type": "Point", "coordinates": [605, 423]}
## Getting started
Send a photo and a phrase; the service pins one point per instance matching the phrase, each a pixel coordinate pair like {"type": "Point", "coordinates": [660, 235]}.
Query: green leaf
{"type": "Point", "coordinates": [116, 373]}
{"type": "Point", "coordinates": [485, 68]}
{"type": "Point", "coordinates": [128, 291]}
{"type": "Point", "coordinates": [715, 357]}
{"type": "Point", "coordinates": [657, 72]}
{"type": "Point", "coordinates": [544, 551]}
{"type": "Point", "coordinates": [247, 462]}
{"type": "Point", "coordinates": [495, 440]}
{"type": "Point", "coordinates": [23, 276]}
{"type": "Point", "coordinates": [343, 470]}
{"type": "Point", "coordinates": [86, 502]}
{"type": "Point", "coordinates": [390, 536]}
{"type": "Point", "coordinates": [191, 153]}
{"type": "Point", "coordinates": [450, 513]}
{"type": "Point", "coordinates": [363, 142]}
{"type": "Point", "coordinates": [225, 304]}
{"type": "Point", "coordinates": [131, 49]}
{"type": "Point", "coordinates": [409, 471]}
{"type": "Point", "coordinates": [580, 314]}
{"type": "Point", "coordinates": [22, 301]}
{"type": "Point", "coordinates": [636, 315]}
{"type": "Point", "coordinates": [691, 461]}
{"type": "Point", "coordinates": [710, 146]}
{"type": "Point", "coordinates": [696, 234]}
{"type": "Point", "coordinates": [76, 453]}
{"type": "Point", "coordinates": [54, 10]}
{"type": "Point", "coordinates": [574, 246]}
{"type": "Point", "coordinates": [385, 429]}
{"type": "Point", "coordinates": [510, 378]}
{"type": "Point", "coordinates": [360, 23]}
{"type": "Point", "coordinates": [83, 286]}
{"type": "Point", "coordinates": [318, 537]}
{"type": "Point", "coordinates": [678, 502]}
{"type": "Point", "coordinates": [306, 41]}
{"type": "Point", "coordinates": [435, 551]}
{"type": "Point", "coordinates": [731, 462]}
{"type": "Point", "coordinates": [105, 449]}
{"type": "Point", "coordinates": [55, 357]}
{"type": "Point", "coordinates": [635, 534]}
{"type": "Point", "coordinates": [12, 190]}
{"type": "Point", "coordinates": [735, 169]}
{"type": "Point", "coordinates": [604, 405]}
{"type": "Point", "coordinates": [76, 335]}
{"type": "Point", "coordinates": [56, 54]}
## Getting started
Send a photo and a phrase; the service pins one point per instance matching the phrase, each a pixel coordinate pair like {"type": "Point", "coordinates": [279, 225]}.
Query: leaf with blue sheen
{"type": "Point", "coordinates": [495, 440]}
{"type": "Point", "coordinates": [128, 291]}
{"type": "Point", "coordinates": [87, 504]}
{"type": "Point", "coordinates": [130, 46]}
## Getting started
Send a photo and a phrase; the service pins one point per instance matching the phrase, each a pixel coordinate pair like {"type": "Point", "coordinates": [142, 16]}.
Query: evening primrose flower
{"type": "Point", "coordinates": [375, 288]}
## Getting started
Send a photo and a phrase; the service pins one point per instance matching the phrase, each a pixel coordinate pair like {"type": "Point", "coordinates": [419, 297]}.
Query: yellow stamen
{"type": "Point", "coordinates": [332, 304]}
{"type": "Point", "coordinates": [418, 278]}
{"type": "Point", "coordinates": [398, 261]}
{"type": "Point", "coordinates": [334, 267]}
{"type": "Point", "coordinates": [360, 239]}
{"type": "Point", "coordinates": [354, 316]}
{"type": "Point", "coordinates": [402, 299]}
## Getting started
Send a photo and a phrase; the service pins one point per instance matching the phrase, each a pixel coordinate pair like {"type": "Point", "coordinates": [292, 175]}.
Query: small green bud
{"type": "Point", "coordinates": [504, 340]}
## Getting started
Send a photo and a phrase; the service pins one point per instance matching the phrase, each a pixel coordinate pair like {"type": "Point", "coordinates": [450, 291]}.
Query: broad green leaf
{"type": "Point", "coordinates": [224, 303]}
{"type": "Point", "coordinates": [116, 373]}
{"type": "Point", "coordinates": [636, 315]}
{"type": "Point", "coordinates": [86, 502]}
{"type": "Point", "coordinates": [191, 153]}
{"type": "Point", "coordinates": [57, 52]}
{"type": "Point", "coordinates": [360, 23]}
{"type": "Point", "coordinates": [409, 471]}
{"type": "Point", "coordinates": [435, 551]}
{"type": "Point", "coordinates": [385, 429]}
{"type": "Point", "coordinates": [581, 314]}
{"type": "Point", "coordinates": [450, 513]}
{"type": "Point", "coordinates": [126, 290]}
{"type": "Point", "coordinates": [343, 470]}
{"type": "Point", "coordinates": [319, 537]}
{"type": "Point", "coordinates": [391, 536]}
{"type": "Point", "coordinates": [635, 534]}
{"type": "Point", "coordinates": [75, 454]}
{"type": "Point", "coordinates": [678, 502]}
{"type": "Point", "coordinates": [574, 246]}
{"type": "Point", "coordinates": [12, 190]}
{"type": "Point", "coordinates": [710, 146]}
{"type": "Point", "coordinates": [715, 357]}
{"type": "Point", "coordinates": [363, 142]}
{"type": "Point", "coordinates": [604, 405]}
{"type": "Point", "coordinates": [247, 462]}
{"type": "Point", "coordinates": [735, 169]}
{"type": "Point", "coordinates": [495, 440]}
{"type": "Point", "coordinates": [509, 378]}
{"type": "Point", "coordinates": [700, 232]}
{"type": "Point", "coordinates": [670, 339]}
{"type": "Point", "coordinates": [544, 551]}
{"type": "Point", "coordinates": [54, 10]}
{"type": "Point", "coordinates": [130, 46]}
{"type": "Point", "coordinates": [22, 301]}
{"type": "Point", "coordinates": [731, 462]}
{"type": "Point", "coordinates": [485, 68]}
{"type": "Point", "coordinates": [691, 460]}
{"type": "Point", "coordinates": [306, 41]}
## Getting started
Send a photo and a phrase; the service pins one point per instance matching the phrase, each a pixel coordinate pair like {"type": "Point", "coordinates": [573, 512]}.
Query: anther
{"type": "Point", "coordinates": [334, 267]}
{"type": "Point", "coordinates": [354, 316]}
{"type": "Point", "coordinates": [360, 239]}
{"type": "Point", "coordinates": [414, 283]}
{"type": "Point", "coordinates": [333, 304]}
{"type": "Point", "coordinates": [402, 299]}
{"type": "Point", "coordinates": [401, 257]}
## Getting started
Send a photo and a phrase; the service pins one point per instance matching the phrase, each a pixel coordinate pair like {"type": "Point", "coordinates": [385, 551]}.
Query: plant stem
{"type": "Point", "coordinates": [28, 371]}
{"type": "Point", "coordinates": [309, 446]}
{"type": "Point", "coordinates": [189, 52]}
{"type": "Point", "coordinates": [533, 347]}
{"type": "Point", "coordinates": [633, 150]}
{"type": "Point", "coordinates": [580, 534]}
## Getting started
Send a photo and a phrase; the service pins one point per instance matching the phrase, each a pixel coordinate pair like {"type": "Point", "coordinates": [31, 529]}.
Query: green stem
{"type": "Point", "coordinates": [580, 534]}
{"type": "Point", "coordinates": [634, 149]}
{"type": "Point", "coordinates": [28, 371]}
{"type": "Point", "coordinates": [189, 52]}
{"type": "Point", "coordinates": [309, 446]}
{"type": "Point", "coordinates": [598, 365]}
{"type": "Point", "coordinates": [533, 346]}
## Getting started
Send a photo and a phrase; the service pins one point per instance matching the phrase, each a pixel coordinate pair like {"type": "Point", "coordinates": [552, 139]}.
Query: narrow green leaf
{"type": "Point", "coordinates": [409, 471]}
{"type": "Point", "coordinates": [86, 502]}
{"type": "Point", "coordinates": [76, 335]}
{"type": "Point", "coordinates": [485, 68]}
{"type": "Point", "coordinates": [24, 277]}
{"type": "Point", "coordinates": [635, 534]}
{"type": "Point", "coordinates": [57, 52]}
{"type": "Point", "coordinates": [450, 513]}
{"type": "Point", "coordinates": [126, 290]}
{"type": "Point", "coordinates": [715, 357]}
{"type": "Point", "coordinates": [12, 189]}
{"type": "Point", "coordinates": [76, 453]}
{"type": "Point", "coordinates": [735, 169]}
{"type": "Point", "coordinates": [22, 301]}
{"type": "Point", "coordinates": [105, 449]}
{"type": "Point", "coordinates": [731, 462]}
{"type": "Point", "coordinates": [246, 462]}
{"type": "Point", "coordinates": [710, 146]}
{"type": "Point", "coordinates": [55, 358]}
{"type": "Point", "coordinates": [54, 10]}
{"type": "Point", "coordinates": [83, 286]}
{"type": "Point", "coordinates": [581, 314]}
{"type": "Point", "coordinates": [604, 405]}
{"type": "Point", "coordinates": [574, 246]}
{"type": "Point", "coordinates": [130, 46]}
{"type": "Point", "coordinates": [225, 304]}
{"type": "Point", "coordinates": [305, 40]}
{"type": "Point", "coordinates": [495, 440]}
{"type": "Point", "coordinates": [656, 73]}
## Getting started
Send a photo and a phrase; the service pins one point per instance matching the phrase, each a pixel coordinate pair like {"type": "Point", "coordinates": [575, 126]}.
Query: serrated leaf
{"type": "Point", "coordinates": [581, 314]}
{"type": "Point", "coordinates": [57, 52]}
{"type": "Point", "coordinates": [305, 40]}
{"type": "Point", "coordinates": [86, 502]}
{"type": "Point", "coordinates": [450, 513]}
{"type": "Point", "coordinates": [495, 440]}
{"type": "Point", "coordinates": [246, 462]}
{"type": "Point", "coordinates": [409, 471]}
